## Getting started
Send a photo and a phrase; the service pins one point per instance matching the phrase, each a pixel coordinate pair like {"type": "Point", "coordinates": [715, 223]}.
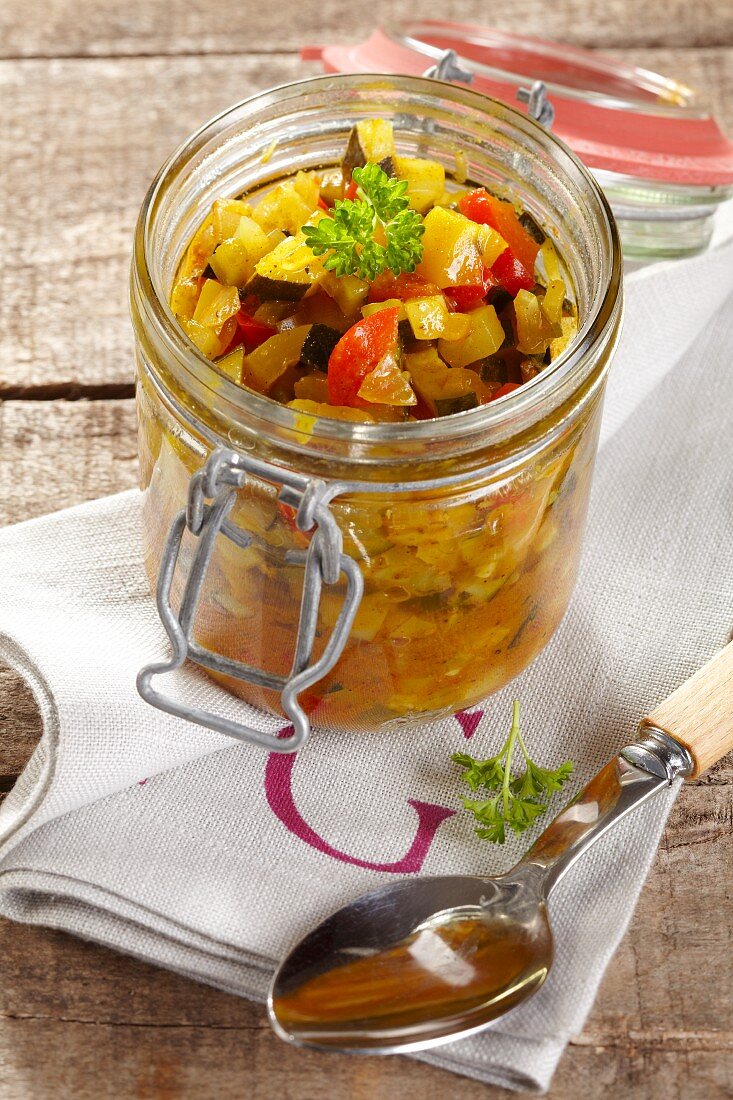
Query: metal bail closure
{"type": "Point", "coordinates": [447, 68]}
{"type": "Point", "coordinates": [539, 106]}
{"type": "Point", "coordinates": [324, 563]}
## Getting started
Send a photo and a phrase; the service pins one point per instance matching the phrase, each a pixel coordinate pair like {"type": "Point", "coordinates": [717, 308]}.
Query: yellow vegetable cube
{"type": "Point", "coordinates": [428, 317]}
{"type": "Point", "coordinates": [457, 327]}
{"type": "Point", "coordinates": [263, 366]}
{"type": "Point", "coordinates": [226, 215]}
{"type": "Point", "coordinates": [534, 331]}
{"type": "Point", "coordinates": [553, 300]}
{"type": "Point", "coordinates": [205, 339]}
{"type": "Point", "coordinates": [231, 262]}
{"type": "Point", "coordinates": [491, 243]}
{"type": "Point", "coordinates": [425, 181]}
{"type": "Point", "coordinates": [485, 337]}
{"type": "Point", "coordinates": [231, 365]}
{"type": "Point", "coordinates": [451, 256]}
{"type": "Point", "coordinates": [348, 291]}
{"type": "Point", "coordinates": [216, 304]}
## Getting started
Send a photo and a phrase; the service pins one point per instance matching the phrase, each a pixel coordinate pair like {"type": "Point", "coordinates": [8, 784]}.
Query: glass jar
{"type": "Point", "coordinates": [455, 541]}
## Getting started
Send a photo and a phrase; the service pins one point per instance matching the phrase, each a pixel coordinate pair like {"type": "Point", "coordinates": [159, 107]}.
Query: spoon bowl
{"type": "Point", "coordinates": [411, 964]}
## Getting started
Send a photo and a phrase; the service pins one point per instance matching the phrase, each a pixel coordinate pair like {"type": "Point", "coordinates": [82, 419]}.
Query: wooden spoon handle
{"type": "Point", "coordinates": [700, 713]}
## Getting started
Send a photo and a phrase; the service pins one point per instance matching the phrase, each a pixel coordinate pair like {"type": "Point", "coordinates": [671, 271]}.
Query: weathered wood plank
{"type": "Point", "coordinates": [55, 454]}
{"type": "Point", "coordinates": [70, 196]}
{"type": "Point", "coordinates": [54, 28]}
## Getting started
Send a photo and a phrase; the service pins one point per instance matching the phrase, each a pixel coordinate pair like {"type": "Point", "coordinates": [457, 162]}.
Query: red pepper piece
{"type": "Point", "coordinates": [512, 275]}
{"type": "Point", "coordinates": [351, 188]}
{"type": "Point", "coordinates": [357, 353]}
{"type": "Point", "coordinates": [252, 332]}
{"type": "Point", "coordinates": [508, 387]}
{"type": "Point", "coordinates": [324, 206]}
{"type": "Point", "coordinates": [483, 208]}
{"type": "Point", "coordinates": [468, 297]}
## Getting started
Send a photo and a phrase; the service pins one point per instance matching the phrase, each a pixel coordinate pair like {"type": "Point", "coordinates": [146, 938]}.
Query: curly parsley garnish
{"type": "Point", "coordinates": [518, 799]}
{"type": "Point", "coordinates": [372, 233]}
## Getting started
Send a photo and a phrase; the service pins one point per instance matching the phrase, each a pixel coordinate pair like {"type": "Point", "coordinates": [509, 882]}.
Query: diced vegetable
{"type": "Point", "coordinates": [457, 327]}
{"type": "Point", "coordinates": [408, 285]}
{"type": "Point", "coordinates": [371, 141]}
{"type": "Point", "coordinates": [216, 304]}
{"type": "Point", "coordinates": [231, 263]}
{"type": "Point", "coordinates": [390, 303]}
{"type": "Point", "coordinates": [319, 343]}
{"type": "Point", "coordinates": [553, 300]}
{"type": "Point", "coordinates": [387, 384]}
{"type": "Point", "coordinates": [511, 274]}
{"type": "Point", "coordinates": [286, 273]}
{"type": "Point", "coordinates": [451, 256]}
{"type": "Point", "coordinates": [534, 331]}
{"type": "Point", "coordinates": [485, 337]}
{"type": "Point", "coordinates": [232, 364]}
{"type": "Point", "coordinates": [263, 366]}
{"type": "Point", "coordinates": [425, 180]}
{"type": "Point", "coordinates": [491, 243]}
{"type": "Point", "coordinates": [484, 208]}
{"type": "Point", "coordinates": [227, 214]}
{"type": "Point", "coordinates": [427, 316]}
{"type": "Point", "coordinates": [569, 332]}
{"type": "Point", "coordinates": [446, 406]}
{"type": "Point", "coordinates": [468, 297]}
{"type": "Point", "coordinates": [434, 382]}
{"type": "Point", "coordinates": [335, 412]}
{"type": "Point", "coordinates": [253, 331]}
{"type": "Point", "coordinates": [285, 207]}
{"type": "Point", "coordinates": [209, 342]}
{"type": "Point", "coordinates": [313, 387]}
{"type": "Point", "coordinates": [358, 352]}
{"type": "Point", "coordinates": [507, 388]}
{"type": "Point", "coordinates": [347, 291]}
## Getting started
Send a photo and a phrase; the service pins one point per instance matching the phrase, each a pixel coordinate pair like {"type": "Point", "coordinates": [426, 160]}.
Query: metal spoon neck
{"type": "Point", "coordinates": [640, 770]}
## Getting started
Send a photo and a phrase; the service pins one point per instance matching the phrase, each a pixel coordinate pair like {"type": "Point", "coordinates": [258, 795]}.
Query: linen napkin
{"type": "Point", "coordinates": [211, 858]}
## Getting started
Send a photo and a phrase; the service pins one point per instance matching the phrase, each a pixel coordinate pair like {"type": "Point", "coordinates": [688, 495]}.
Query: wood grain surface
{"type": "Point", "coordinates": [95, 94]}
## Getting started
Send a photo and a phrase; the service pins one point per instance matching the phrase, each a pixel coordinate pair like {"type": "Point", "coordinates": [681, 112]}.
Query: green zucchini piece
{"type": "Point", "coordinates": [492, 369]}
{"type": "Point", "coordinates": [277, 290]}
{"type": "Point", "coordinates": [318, 345]}
{"type": "Point", "coordinates": [444, 406]}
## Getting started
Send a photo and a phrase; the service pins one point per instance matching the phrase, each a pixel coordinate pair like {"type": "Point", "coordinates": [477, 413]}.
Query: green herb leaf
{"type": "Point", "coordinates": [348, 239]}
{"type": "Point", "coordinates": [519, 799]}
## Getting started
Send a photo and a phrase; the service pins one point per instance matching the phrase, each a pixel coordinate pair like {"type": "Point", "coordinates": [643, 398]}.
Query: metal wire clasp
{"type": "Point", "coordinates": [539, 106]}
{"type": "Point", "coordinates": [211, 496]}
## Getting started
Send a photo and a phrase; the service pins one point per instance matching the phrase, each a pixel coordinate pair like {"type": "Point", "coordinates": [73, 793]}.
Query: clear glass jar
{"type": "Point", "coordinates": [467, 530]}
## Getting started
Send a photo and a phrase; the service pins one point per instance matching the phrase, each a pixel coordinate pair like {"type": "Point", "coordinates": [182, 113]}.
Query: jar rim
{"type": "Point", "coordinates": [527, 404]}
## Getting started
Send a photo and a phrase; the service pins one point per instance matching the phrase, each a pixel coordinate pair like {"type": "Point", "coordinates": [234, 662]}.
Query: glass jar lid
{"type": "Point", "coordinates": [662, 159]}
{"type": "Point", "coordinates": [615, 116]}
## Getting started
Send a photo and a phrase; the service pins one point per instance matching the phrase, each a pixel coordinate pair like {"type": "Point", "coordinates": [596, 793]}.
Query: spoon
{"type": "Point", "coordinates": [424, 961]}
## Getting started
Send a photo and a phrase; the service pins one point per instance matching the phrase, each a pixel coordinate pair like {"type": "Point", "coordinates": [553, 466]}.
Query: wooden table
{"type": "Point", "coordinates": [95, 93]}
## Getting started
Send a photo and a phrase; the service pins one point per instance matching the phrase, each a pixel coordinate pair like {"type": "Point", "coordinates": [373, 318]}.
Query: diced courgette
{"type": "Point", "coordinates": [318, 345]}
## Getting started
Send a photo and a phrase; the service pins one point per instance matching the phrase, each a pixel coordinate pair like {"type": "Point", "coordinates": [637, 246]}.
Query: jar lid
{"type": "Point", "coordinates": [617, 118]}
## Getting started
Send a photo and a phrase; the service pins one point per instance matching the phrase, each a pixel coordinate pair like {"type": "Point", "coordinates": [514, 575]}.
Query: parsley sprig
{"type": "Point", "coordinates": [353, 237]}
{"type": "Point", "coordinates": [518, 799]}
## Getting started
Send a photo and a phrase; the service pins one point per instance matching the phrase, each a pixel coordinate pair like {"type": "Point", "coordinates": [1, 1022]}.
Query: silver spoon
{"type": "Point", "coordinates": [424, 961]}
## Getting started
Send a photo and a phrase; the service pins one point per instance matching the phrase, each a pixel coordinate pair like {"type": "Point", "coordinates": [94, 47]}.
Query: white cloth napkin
{"type": "Point", "coordinates": [183, 848]}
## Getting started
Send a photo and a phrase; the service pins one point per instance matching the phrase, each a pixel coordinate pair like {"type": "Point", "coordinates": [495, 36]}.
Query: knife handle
{"type": "Point", "coordinates": [699, 714]}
